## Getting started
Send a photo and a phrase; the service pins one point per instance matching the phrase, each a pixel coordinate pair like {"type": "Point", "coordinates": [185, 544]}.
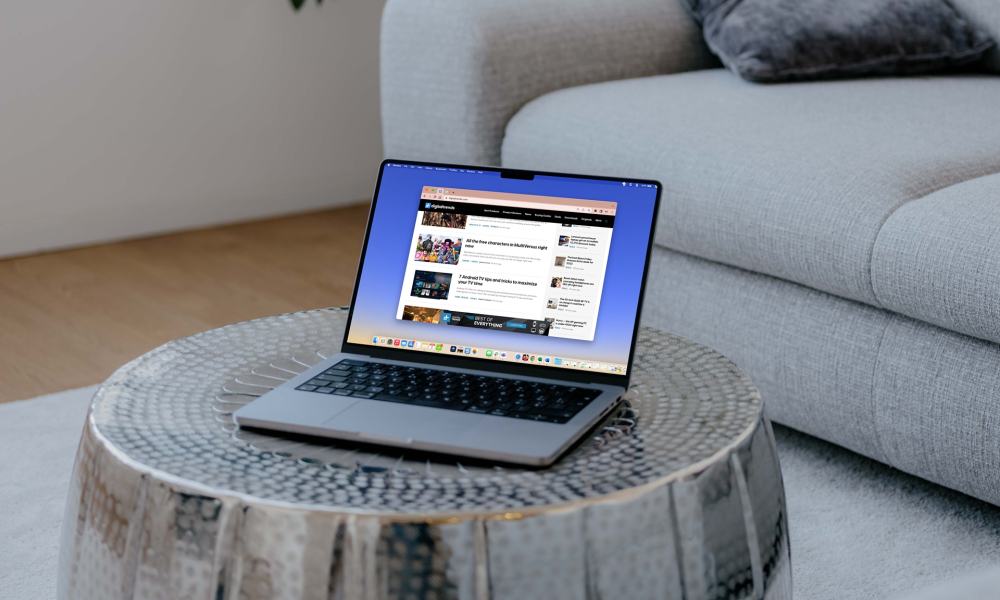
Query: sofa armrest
{"type": "Point", "coordinates": [455, 71]}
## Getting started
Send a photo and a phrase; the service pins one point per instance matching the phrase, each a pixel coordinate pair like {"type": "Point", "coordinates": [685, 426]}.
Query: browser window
{"type": "Point", "coordinates": [507, 262]}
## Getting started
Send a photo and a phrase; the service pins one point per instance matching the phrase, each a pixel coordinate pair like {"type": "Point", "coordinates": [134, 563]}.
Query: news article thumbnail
{"type": "Point", "coordinates": [421, 314]}
{"type": "Point", "coordinates": [431, 285]}
{"type": "Point", "coordinates": [433, 218]}
{"type": "Point", "coordinates": [437, 249]}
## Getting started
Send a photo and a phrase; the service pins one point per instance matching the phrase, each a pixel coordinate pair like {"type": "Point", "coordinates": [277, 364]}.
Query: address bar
{"type": "Point", "coordinates": [513, 203]}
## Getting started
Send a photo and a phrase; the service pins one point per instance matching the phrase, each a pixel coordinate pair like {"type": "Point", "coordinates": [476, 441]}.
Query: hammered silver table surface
{"type": "Point", "coordinates": [677, 495]}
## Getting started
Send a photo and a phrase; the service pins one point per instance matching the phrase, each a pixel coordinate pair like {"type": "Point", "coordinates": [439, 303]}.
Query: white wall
{"type": "Point", "coordinates": [120, 118]}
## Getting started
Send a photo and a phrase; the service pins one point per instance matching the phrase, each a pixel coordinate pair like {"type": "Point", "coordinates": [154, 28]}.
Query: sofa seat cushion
{"type": "Point", "coordinates": [906, 393]}
{"type": "Point", "coordinates": [937, 258]}
{"type": "Point", "coordinates": [791, 180]}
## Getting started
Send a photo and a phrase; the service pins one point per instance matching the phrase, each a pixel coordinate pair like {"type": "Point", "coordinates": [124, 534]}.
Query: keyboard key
{"type": "Point", "coordinates": [429, 403]}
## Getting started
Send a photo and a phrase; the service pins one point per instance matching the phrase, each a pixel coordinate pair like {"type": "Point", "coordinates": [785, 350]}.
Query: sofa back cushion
{"type": "Point", "coordinates": [986, 15]}
{"type": "Point", "coordinates": [785, 40]}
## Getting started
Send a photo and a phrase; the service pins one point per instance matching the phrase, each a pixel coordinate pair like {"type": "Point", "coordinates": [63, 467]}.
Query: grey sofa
{"type": "Point", "coordinates": [838, 240]}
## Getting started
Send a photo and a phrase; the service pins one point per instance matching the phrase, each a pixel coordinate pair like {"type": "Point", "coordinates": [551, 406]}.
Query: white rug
{"type": "Point", "coordinates": [37, 444]}
{"type": "Point", "coordinates": [859, 529]}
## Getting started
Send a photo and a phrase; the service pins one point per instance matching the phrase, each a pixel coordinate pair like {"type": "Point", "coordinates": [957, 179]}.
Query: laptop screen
{"type": "Point", "coordinates": [537, 270]}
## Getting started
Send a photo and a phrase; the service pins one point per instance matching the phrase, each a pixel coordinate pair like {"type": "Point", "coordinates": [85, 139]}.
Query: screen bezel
{"type": "Point", "coordinates": [483, 364]}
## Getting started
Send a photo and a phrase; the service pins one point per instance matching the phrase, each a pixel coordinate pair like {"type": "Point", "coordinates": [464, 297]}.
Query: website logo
{"type": "Point", "coordinates": [432, 206]}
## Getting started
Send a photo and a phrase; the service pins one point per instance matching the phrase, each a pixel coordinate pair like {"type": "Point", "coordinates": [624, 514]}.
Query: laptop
{"type": "Point", "coordinates": [494, 315]}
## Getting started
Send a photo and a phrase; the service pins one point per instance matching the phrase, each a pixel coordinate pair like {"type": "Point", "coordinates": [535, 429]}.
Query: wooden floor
{"type": "Point", "coordinates": [68, 319]}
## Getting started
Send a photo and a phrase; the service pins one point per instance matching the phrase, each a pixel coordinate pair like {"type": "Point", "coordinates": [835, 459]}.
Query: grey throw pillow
{"type": "Point", "coordinates": [784, 40]}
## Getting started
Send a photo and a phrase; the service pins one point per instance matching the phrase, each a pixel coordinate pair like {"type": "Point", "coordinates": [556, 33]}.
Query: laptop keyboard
{"type": "Point", "coordinates": [552, 403]}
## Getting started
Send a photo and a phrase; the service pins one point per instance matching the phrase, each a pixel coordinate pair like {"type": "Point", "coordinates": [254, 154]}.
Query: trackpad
{"type": "Point", "coordinates": [305, 409]}
{"type": "Point", "coordinates": [405, 423]}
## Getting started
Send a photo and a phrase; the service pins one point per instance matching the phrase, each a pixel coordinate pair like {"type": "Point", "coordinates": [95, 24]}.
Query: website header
{"type": "Point", "coordinates": [561, 216]}
{"type": "Point", "coordinates": [596, 207]}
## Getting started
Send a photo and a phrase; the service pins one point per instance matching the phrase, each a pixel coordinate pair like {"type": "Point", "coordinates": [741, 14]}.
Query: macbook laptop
{"type": "Point", "coordinates": [494, 315]}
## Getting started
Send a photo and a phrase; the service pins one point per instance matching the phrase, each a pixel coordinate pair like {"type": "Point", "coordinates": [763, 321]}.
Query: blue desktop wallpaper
{"type": "Point", "coordinates": [389, 247]}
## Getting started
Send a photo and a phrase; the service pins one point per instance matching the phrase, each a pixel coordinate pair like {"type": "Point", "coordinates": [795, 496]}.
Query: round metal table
{"type": "Point", "coordinates": [677, 495]}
